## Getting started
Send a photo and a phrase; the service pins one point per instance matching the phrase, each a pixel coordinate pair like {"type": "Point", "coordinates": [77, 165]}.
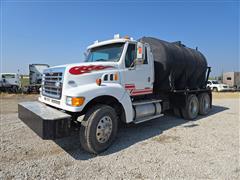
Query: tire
{"type": "Point", "coordinates": [98, 129]}
{"type": "Point", "coordinates": [204, 103]}
{"type": "Point", "coordinates": [15, 89]}
{"type": "Point", "coordinates": [215, 89]}
{"type": "Point", "coordinates": [191, 109]}
{"type": "Point", "coordinates": [177, 112]}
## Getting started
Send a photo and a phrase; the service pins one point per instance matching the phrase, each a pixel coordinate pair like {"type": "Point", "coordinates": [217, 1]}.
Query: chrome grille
{"type": "Point", "coordinates": [52, 84]}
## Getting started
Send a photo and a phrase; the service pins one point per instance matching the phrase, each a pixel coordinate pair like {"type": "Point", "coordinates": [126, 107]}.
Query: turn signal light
{"type": "Point", "coordinates": [75, 101]}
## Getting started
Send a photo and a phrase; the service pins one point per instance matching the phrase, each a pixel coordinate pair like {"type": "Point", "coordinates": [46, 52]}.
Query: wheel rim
{"type": "Point", "coordinates": [193, 108]}
{"type": "Point", "coordinates": [206, 103]}
{"type": "Point", "coordinates": [104, 129]}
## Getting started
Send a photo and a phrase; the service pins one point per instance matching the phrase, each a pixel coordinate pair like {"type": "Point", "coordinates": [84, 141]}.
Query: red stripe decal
{"type": "Point", "coordinates": [136, 91]}
{"type": "Point", "coordinates": [77, 70]}
{"type": "Point", "coordinates": [129, 86]}
{"type": "Point", "coordinates": [141, 91]}
{"type": "Point", "coordinates": [131, 89]}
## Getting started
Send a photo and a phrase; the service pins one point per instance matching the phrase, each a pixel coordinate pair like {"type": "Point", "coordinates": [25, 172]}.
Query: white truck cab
{"type": "Point", "coordinates": [122, 66]}
{"type": "Point", "coordinates": [116, 82]}
{"type": "Point", "coordinates": [10, 81]}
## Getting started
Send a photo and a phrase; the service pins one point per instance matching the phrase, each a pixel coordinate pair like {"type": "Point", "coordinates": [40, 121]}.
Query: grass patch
{"type": "Point", "coordinates": [24, 82]}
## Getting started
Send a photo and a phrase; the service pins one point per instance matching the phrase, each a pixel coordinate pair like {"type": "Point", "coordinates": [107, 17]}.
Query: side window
{"type": "Point", "coordinates": [130, 55]}
{"type": "Point", "coordinates": [146, 57]}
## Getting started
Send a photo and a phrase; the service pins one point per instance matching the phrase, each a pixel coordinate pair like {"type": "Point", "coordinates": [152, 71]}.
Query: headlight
{"type": "Point", "coordinates": [75, 101]}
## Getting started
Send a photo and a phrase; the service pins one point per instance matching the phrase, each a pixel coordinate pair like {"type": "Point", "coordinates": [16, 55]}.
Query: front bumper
{"type": "Point", "coordinates": [45, 121]}
{"type": "Point", "coordinates": [61, 104]}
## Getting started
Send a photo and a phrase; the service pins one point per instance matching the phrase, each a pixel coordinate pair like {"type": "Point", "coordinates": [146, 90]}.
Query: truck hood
{"type": "Point", "coordinates": [79, 74]}
{"type": "Point", "coordinates": [68, 66]}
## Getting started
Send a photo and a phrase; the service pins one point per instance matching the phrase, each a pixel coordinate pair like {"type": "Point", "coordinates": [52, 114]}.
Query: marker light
{"type": "Point", "coordinates": [126, 37]}
{"type": "Point", "coordinates": [116, 76]}
{"type": "Point", "coordinates": [98, 82]}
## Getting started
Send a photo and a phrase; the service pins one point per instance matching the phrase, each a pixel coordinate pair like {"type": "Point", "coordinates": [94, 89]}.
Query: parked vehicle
{"type": "Point", "coordinates": [35, 77]}
{"type": "Point", "coordinates": [232, 79]}
{"type": "Point", "coordinates": [121, 80]}
{"type": "Point", "coordinates": [218, 87]}
{"type": "Point", "coordinates": [9, 82]}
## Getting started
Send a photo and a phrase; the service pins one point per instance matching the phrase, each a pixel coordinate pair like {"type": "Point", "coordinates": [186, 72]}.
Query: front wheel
{"type": "Point", "coordinates": [98, 129]}
{"type": "Point", "coordinates": [215, 89]}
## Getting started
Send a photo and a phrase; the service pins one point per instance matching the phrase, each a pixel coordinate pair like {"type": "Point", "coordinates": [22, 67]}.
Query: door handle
{"type": "Point", "coordinates": [149, 79]}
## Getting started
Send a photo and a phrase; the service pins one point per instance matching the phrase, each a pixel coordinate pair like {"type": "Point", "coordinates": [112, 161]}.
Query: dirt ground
{"type": "Point", "coordinates": [165, 148]}
{"type": "Point", "coordinates": [226, 95]}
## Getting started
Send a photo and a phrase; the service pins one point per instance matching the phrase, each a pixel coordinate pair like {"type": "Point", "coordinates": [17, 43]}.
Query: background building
{"type": "Point", "coordinates": [232, 79]}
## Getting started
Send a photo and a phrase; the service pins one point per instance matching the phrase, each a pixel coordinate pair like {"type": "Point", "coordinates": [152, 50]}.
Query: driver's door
{"type": "Point", "coordinates": [137, 78]}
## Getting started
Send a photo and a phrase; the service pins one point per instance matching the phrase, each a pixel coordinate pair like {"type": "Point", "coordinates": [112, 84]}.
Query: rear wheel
{"type": "Point", "coordinates": [191, 109]}
{"type": "Point", "coordinates": [204, 103]}
{"type": "Point", "coordinates": [215, 89]}
{"type": "Point", "coordinates": [98, 129]}
{"type": "Point", "coordinates": [14, 89]}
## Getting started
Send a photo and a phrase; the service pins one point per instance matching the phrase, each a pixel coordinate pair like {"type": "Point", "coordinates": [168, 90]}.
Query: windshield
{"type": "Point", "coordinates": [8, 76]}
{"type": "Point", "coordinates": [215, 82]}
{"type": "Point", "coordinates": [110, 52]}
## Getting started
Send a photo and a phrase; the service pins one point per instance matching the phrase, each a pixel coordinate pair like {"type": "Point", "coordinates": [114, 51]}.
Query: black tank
{"type": "Point", "coordinates": [176, 66]}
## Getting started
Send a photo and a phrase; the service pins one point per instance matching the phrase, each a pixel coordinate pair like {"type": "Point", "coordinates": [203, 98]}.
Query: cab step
{"type": "Point", "coordinates": [148, 118]}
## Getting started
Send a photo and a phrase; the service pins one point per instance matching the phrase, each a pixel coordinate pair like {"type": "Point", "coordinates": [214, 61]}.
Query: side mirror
{"type": "Point", "coordinates": [139, 50]}
{"type": "Point", "coordinates": [139, 56]}
{"type": "Point", "coordinates": [140, 53]}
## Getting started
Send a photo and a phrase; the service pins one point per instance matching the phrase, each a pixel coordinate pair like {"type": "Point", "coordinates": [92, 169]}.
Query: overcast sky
{"type": "Point", "coordinates": [58, 32]}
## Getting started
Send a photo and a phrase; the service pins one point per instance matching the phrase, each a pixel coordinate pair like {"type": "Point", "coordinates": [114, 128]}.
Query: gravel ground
{"type": "Point", "coordinates": [165, 148]}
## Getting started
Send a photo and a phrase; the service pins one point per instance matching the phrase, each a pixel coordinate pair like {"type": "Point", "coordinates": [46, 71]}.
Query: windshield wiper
{"type": "Point", "coordinates": [101, 60]}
